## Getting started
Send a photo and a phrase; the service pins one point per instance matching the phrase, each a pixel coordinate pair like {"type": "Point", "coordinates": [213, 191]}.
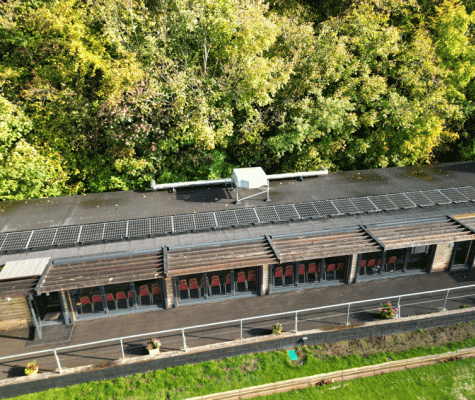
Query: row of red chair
{"type": "Point", "coordinates": [376, 262]}
{"type": "Point", "coordinates": [306, 273]}
{"type": "Point", "coordinates": [144, 295]}
{"type": "Point", "coordinates": [217, 285]}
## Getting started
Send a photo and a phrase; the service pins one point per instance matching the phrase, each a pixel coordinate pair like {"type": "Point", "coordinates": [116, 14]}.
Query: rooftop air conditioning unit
{"type": "Point", "coordinates": [250, 178]}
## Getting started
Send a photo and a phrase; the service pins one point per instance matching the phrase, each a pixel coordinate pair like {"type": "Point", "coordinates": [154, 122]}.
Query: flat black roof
{"type": "Point", "coordinates": [114, 206]}
{"type": "Point", "coordinates": [32, 214]}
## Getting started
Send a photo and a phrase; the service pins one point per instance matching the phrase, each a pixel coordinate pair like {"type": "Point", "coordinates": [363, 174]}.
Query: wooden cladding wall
{"type": "Point", "coordinates": [442, 257]}
{"type": "Point", "coordinates": [169, 296]}
{"type": "Point", "coordinates": [353, 268]}
{"type": "Point", "coordinates": [14, 314]}
{"type": "Point", "coordinates": [265, 280]}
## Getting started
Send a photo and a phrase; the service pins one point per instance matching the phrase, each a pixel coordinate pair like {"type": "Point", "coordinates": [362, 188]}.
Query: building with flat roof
{"type": "Point", "coordinates": [73, 258]}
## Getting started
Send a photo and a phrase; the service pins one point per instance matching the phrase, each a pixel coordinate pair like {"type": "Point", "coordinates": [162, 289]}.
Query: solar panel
{"type": "Point", "coordinates": [400, 200]}
{"type": "Point", "coordinates": [468, 192]}
{"type": "Point", "coordinates": [115, 230]}
{"type": "Point", "coordinates": [183, 223]}
{"type": "Point", "coordinates": [325, 207]}
{"type": "Point", "coordinates": [419, 199]}
{"type": "Point", "coordinates": [16, 241]}
{"type": "Point", "coordinates": [246, 216]}
{"type": "Point", "coordinates": [286, 212]}
{"type": "Point", "coordinates": [454, 195]}
{"type": "Point", "coordinates": [92, 233]}
{"type": "Point", "coordinates": [364, 204]}
{"type": "Point", "coordinates": [226, 218]}
{"type": "Point", "coordinates": [306, 210]}
{"type": "Point", "coordinates": [383, 202]}
{"type": "Point", "coordinates": [42, 238]}
{"type": "Point", "coordinates": [345, 206]}
{"type": "Point", "coordinates": [3, 236]}
{"type": "Point", "coordinates": [436, 197]}
{"type": "Point", "coordinates": [66, 235]}
{"type": "Point", "coordinates": [160, 225]}
{"type": "Point", "coordinates": [267, 214]}
{"type": "Point", "coordinates": [205, 220]}
{"type": "Point", "coordinates": [139, 227]}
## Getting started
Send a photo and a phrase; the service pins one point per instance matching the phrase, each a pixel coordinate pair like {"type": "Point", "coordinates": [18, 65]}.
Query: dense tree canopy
{"type": "Point", "coordinates": [108, 94]}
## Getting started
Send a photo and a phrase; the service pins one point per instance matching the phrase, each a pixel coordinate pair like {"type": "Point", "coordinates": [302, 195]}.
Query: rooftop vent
{"type": "Point", "coordinates": [250, 178]}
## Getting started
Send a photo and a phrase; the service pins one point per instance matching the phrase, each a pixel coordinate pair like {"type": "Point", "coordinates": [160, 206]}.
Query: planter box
{"type": "Point", "coordinates": [152, 351]}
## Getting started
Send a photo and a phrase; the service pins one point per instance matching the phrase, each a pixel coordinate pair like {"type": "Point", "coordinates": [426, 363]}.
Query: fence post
{"type": "Point", "coordinates": [184, 339]}
{"type": "Point", "coordinates": [445, 302]}
{"type": "Point", "coordinates": [399, 307]}
{"type": "Point", "coordinates": [122, 348]}
{"type": "Point", "coordinates": [296, 321]}
{"type": "Point", "coordinates": [348, 315]}
{"type": "Point", "coordinates": [240, 335]}
{"type": "Point", "coordinates": [57, 361]}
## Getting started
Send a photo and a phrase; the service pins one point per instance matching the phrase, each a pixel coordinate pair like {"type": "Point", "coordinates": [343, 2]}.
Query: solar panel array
{"type": "Point", "coordinates": [139, 228]}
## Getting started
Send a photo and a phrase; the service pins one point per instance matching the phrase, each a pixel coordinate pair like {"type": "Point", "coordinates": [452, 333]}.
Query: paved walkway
{"type": "Point", "coordinates": [15, 342]}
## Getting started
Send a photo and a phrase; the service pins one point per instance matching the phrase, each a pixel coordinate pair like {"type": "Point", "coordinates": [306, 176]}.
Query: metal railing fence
{"type": "Point", "coordinates": [294, 314]}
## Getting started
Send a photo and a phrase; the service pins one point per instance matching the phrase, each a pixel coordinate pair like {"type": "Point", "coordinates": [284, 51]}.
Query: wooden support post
{"type": "Point", "coordinates": [406, 259]}
{"type": "Point", "coordinates": [64, 307]}
{"type": "Point", "coordinates": [103, 298]}
{"type": "Point", "coordinates": [134, 295]}
{"type": "Point", "coordinates": [205, 284]}
{"type": "Point", "coordinates": [231, 279]}
{"type": "Point", "coordinates": [382, 269]}
{"type": "Point", "coordinates": [452, 259]}
{"type": "Point", "coordinates": [296, 273]}
{"type": "Point", "coordinates": [322, 270]}
{"type": "Point", "coordinates": [358, 266]}
{"type": "Point", "coordinates": [264, 279]}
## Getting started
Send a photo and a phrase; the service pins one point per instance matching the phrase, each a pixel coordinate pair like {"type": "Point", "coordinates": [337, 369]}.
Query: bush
{"type": "Point", "coordinates": [388, 310]}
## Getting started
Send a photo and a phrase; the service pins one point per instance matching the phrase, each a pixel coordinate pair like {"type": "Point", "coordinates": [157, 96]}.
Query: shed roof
{"type": "Point", "coordinates": [229, 255]}
{"type": "Point", "coordinates": [320, 245]}
{"type": "Point", "coordinates": [421, 233]}
{"type": "Point", "coordinates": [101, 271]}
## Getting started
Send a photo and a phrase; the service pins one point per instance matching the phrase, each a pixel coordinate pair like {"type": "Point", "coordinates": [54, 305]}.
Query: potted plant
{"type": "Point", "coordinates": [387, 311]}
{"type": "Point", "coordinates": [153, 346]}
{"type": "Point", "coordinates": [277, 328]}
{"type": "Point", "coordinates": [31, 368]}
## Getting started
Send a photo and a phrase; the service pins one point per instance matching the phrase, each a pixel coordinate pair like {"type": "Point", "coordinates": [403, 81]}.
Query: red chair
{"type": "Point", "coordinates": [363, 267]}
{"type": "Point", "coordinates": [111, 304]}
{"type": "Point", "coordinates": [121, 300]}
{"type": "Point", "coordinates": [340, 268]}
{"type": "Point", "coordinates": [251, 276]}
{"type": "Point", "coordinates": [227, 284]}
{"type": "Point", "coordinates": [302, 270]}
{"type": "Point", "coordinates": [183, 288]}
{"type": "Point", "coordinates": [331, 268]}
{"type": "Point", "coordinates": [156, 298]}
{"type": "Point", "coordinates": [279, 274]}
{"type": "Point", "coordinates": [86, 305]}
{"type": "Point", "coordinates": [313, 269]}
{"type": "Point", "coordinates": [215, 285]}
{"type": "Point", "coordinates": [241, 278]}
{"type": "Point", "coordinates": [97, 303]}
{"type": "Point", "coordinates": [392, 263]}
{"type": "Point", "coordinates": [289, 273]}
{"type": "Point", "coordinates": [144, 295]}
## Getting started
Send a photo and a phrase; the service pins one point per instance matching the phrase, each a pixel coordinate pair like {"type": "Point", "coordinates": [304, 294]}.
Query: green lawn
{"type": "Point", "coordinates": [232, 373]}
{"type": "Point", "coordinates": [452, 380]}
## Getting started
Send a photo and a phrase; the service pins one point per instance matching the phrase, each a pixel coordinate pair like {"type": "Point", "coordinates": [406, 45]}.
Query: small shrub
{"type": "Point", "coordinates": [465, 306]}
{"type": "Point", "coordinates": [277, 328]}
{"type": "Point", "coordinates": [420, 330]}
{"type": "Point", "coordinates": [154, 343]}
{"type": "Point", "coordinates": [31, 368]}
{"type": "Point", "coordinates": [388, 310]}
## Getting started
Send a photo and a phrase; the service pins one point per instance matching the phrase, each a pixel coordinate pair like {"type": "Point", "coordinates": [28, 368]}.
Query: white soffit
{"type": "Point", "coordinates": [24, 268]}
{"type": "Point", "coordinates": [249, 178]}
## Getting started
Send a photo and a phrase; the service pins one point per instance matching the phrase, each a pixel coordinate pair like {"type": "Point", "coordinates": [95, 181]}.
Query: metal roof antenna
{"type": "Point", "coordinates": [250, 178]}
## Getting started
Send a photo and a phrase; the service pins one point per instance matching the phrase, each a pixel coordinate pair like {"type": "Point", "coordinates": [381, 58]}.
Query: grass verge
{"type": "Point", "coordinates": [259, 368]}
{"type": "Point", "coordinates": [451, 380]}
